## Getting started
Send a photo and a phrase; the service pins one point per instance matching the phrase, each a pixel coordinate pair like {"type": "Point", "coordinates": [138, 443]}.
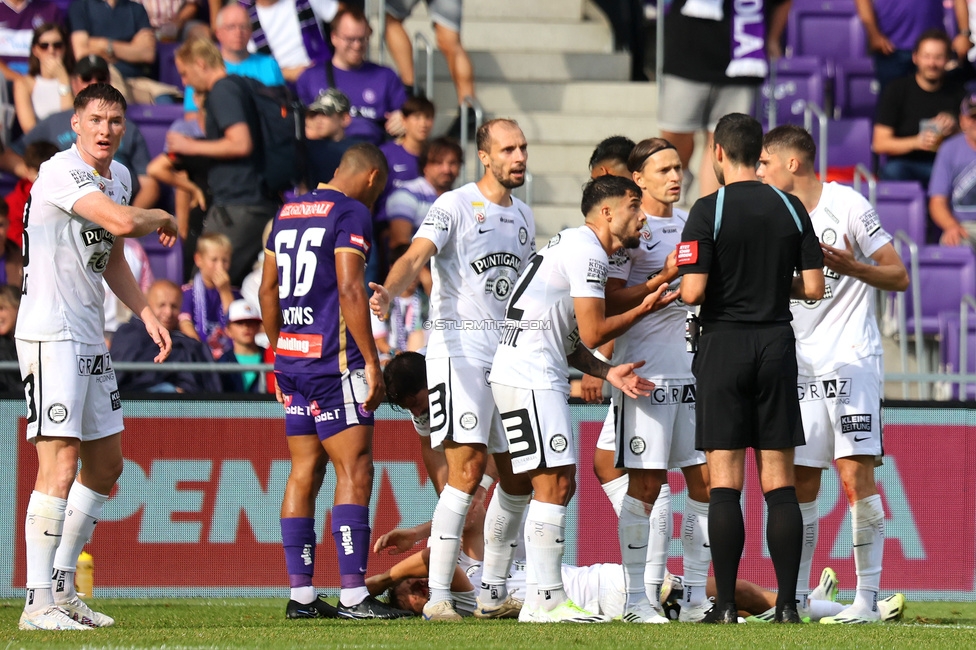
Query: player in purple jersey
{"type": "Point", "coordinates": [314, 307]}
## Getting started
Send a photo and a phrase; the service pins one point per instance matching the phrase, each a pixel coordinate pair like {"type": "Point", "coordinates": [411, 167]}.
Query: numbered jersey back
{"type": "Point", "coordinates": [307, 236]}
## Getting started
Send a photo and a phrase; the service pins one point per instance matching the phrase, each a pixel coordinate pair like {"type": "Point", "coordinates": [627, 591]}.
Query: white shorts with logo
{"type": "Point", "coordinates": [462, 408]}
{"type": "Point", "coordinates": [841, 414]}
{"type": "Point", "coordinates": [70, 388]}
{"type": "Point", "coordinates": [538, 426]}
{"type": "Point", "coordinates": [655, 432]}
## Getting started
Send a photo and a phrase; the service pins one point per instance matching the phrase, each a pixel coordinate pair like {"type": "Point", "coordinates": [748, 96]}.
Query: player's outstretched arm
{"type": "Point", "coordinates": [620, 299]}
{"type": "Point", "coordinates": [401, 275]}
{"type": "Point", "coordinates": [596, 328]}
{"type": "Point", "coordinates": [126, 220]}
{"type": "Point", "coordinates": [123, 284]}
{"type": "Point", "coordinates": [888, 273]}
{"type": "Point", "coordinates": [400, 540]}
{"type": "Point", "coordinates": [354, 306]}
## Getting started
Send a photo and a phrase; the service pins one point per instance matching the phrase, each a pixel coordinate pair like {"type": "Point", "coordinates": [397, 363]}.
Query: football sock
{"type": "Point", "coordinates": [298, 541]}
{"type": "Point", "coordinates": [82, 511]}
{"type": "Point", "coordinates": [811, 530]}
{"type": "Point", "coordinates": [821, 608]}
{"type": "Point", "coordinates": [544, 550]}
{"type": "Point", "coordinates": [697, 553]}
{"type": "Point", "coordinates": [615, 491]}
{"type": "Point", "coordinates": [502, 522]}
{"type": "Point", "coordinates": [445, 541]}
{"type": "Point", "coordinates": [868, 524]}
{"type": "Point", "coordinates": [659, 541]}
{"type": "Point", "coordinates": [42, 534]}
{"type": "Point", "coordinates": [784, 538]}
{"type": "Point", "coordinates": [633, 529]}
{"type": "Point", "coordinates": [465, 602]}
{"type": "Point", "coordinates": [350, 530]}
{"type": "Point", "coordinates": [725, 523]}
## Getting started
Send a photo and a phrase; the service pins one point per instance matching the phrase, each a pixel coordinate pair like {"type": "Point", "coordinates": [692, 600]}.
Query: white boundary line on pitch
{"type": "Point", "coordinates": [940, 626]}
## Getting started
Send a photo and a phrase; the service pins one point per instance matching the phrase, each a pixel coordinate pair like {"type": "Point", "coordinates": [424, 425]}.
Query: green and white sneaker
{"type": "Point", "coordinates": [766, 617]}
{"type": "Point", "coordinates": [850, 616]}
{"type": "Point", "coordinates": [568, 612]}
{"type": "Point", "coordinates": [643, 612]}
{"type": "Point", "coordinates": [827, 589]}
{"type": "Point", "coordinates": [892, 608]}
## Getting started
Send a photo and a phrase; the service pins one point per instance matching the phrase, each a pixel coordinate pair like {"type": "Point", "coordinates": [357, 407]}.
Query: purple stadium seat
{"type": "Point", "coordinates": [829, 29]}
{"type": "Point", "coordinates": [848, 144]}
{"type": "Point", "coordinates": [949, 341]}
{"type": "Point", "coordinates": [166, 263]}
{"type": "Point", "coordinates": [946, 274]}
{"type": "Point", "coordinates": [166, 57]}
{"type": "Point", "coordinates": [855, 88]}
{"type": "Point", "coordinates": [154, 121]}
{"type": "Point", "coordinates": [902, 206]}
{"type": "Point", "coordinates": [798, 80]}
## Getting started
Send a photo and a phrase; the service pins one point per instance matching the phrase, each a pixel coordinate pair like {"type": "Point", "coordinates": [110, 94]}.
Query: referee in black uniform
{"type": "Point", "coordinates": [738, 254]}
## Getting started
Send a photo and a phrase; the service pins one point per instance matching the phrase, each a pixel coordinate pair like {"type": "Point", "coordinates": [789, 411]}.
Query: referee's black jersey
{"type": "Point", "coordinates": [751, 263]}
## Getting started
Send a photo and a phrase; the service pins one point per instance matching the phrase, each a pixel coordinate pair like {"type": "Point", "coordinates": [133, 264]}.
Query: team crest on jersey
{"type": "Point", "coordinates": [637, 446]}
{"type": "Point", "coordinates": [369, 96]}
{"type": "Point", "coordinates": [646, 234]}
{"type": "Point", "coordinates": [558, 443]}
{"type": "Point", "coordinates": [523, 236]}
{"type": "Point", "coordinates": [499, 287]}
{"type": "Point", "coordinates": [468, 421]}
{"type": "Point", "coordinates": [829, 236]}
{"type": "Point", "coordinates": [58, 413]}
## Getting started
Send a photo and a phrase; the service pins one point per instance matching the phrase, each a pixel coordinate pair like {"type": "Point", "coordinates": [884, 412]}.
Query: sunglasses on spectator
{"type": "Point", "coordinates": [57, 45]}
{"type": "Point", "coordinates": [100, 77]}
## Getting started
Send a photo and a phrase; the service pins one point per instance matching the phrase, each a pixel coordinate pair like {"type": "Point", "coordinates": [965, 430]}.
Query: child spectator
{"type": "Point", "coordinates": [243, 324]}
{"type": "Point", "coordinates": [404, 331]}
{"type": "Point", "coordinates": [10, 381]}
{"type": "Point", "coordinates": [11, 259]}
{"type": "Point", "coordinates": [208, 296]}
{"type": "Point", "coordinates": [35, 154]}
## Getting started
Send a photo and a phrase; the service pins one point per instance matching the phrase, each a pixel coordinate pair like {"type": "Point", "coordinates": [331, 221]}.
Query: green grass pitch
{"type": "Point", "coordinates": [260, 623]}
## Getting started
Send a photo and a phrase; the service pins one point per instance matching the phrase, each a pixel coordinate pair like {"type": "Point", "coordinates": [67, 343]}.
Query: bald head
{"type": "Point", "coordinates": [165, 300]}
{"type": "Point", "coordinates": [233, 31]}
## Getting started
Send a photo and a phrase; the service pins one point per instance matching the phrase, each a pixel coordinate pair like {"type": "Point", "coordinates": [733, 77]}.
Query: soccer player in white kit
{"type": "Point", "coordinates": [478, 239]}
{"type": "Point", "coordinates": [557, 311]}
{"type": "Point", "coordinates": [839, 356]}
{"type": "Point", "coordinates": [77, 208]}
{"type": "Point", "coordinates": [643, 438]}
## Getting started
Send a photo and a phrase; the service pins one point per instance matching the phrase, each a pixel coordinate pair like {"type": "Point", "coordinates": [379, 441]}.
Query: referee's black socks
{"type": "Point", "coordinates": [727, 533]}
{"type": "Point", "coordinates": [784, 537]}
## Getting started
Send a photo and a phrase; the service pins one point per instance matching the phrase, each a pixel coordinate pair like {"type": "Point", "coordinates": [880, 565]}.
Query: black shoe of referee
{"type": "Point", "coordinates": [787, 615]}
{"type": "Point", "coordinates": [371, 608]}
{"type": "Point", "coordinates": [318, 608]}
{"type": "Point", "coordinates": [727, 614]}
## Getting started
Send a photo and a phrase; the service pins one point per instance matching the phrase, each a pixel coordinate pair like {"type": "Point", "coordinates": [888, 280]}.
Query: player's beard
{"type": "Point", "coordinates": [507, 182]}
{"type": "Point", "coordinates": [631, 242]}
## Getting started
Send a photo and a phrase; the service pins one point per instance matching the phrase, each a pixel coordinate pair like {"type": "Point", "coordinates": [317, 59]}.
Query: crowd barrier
{"type": "Point", "coordinates": [196, 510]}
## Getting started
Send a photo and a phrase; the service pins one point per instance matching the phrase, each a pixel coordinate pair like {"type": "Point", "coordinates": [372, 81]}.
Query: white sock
{"type": "Point", "coordinates": [303, 595]}
{"type": "Point", "coordinates": [821, 608]}
{"type": "Point", "coordinates": [662, 528]}
{"type": "Point", "coordinates": [83, 509]}
{"type": "Point", "coordinates": [633, 529]}
{"type": "Point", "coordinates": [545, 532]}
{"type": "Point", "coordinates": [697, 553]}
{"type": "Point", "coordinates": [811, 530]}
{"type": "Point", "coordinates": [465, 601]}
{"type": "Point", "coordinates": [868, 524]}
{"type": "Point", "coordinates": [445, 541]}
{"type": "Point", "coordinates": [531, 582]}
{"type": "Point", "coordinates": [616, 490]}
{"type": "Point", "coordinates": [352, 596]}
{"type": "Point", "coordinates": [42, 534]}
{"type": "Point", "coordinates": [502, 522]}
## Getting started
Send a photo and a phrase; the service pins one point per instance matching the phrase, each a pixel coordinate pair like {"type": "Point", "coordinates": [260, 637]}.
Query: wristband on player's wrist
{"type": "Point", "coordinates": [487, 481]}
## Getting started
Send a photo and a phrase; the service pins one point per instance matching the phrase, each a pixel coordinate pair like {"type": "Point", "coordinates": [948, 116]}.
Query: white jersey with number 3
{"type": "Point", "coordinates": [540, 328]}
{"type": "Point", "coordinates": [481, 249]}
{"type": "Point", "coordinates": [841, 328]}
{"type": "Point", "coordinates": [64, 253]}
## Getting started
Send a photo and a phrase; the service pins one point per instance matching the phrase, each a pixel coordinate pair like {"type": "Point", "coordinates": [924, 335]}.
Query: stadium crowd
{"type": "Point", "coordinates": [489, 404]}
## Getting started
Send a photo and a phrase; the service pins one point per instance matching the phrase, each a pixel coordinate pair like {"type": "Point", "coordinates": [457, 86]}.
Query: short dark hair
{"type": "Point", "coordinates": [99, 92]}
{"type": "Point", "coordinates": [418, 104]}
{"type": "Point", "coordinates": [405, 376]}
{"type": "Point", "coordinates": [934, 34]}
{"type": "Point", "coordinates": [437, 149]}
{"type": "Point", "coordinates": [644, 150]}
{"type": "Point", "coordinates": [741, 137]}
{"type": "Point", "coordinates": [355, 13]}
{"type": "Point", "coordinates": [602, 188]}
{"type": "Point", "coordinates": [616, 148]}
{"type": "Point", "coordinates": [483, 137]}
{"type": "Point", "coordinates": [792, 137]}
{"type": "Point", "coordinates": [39, 152]}
{"type": "Point", "coordinates": [363, 156]}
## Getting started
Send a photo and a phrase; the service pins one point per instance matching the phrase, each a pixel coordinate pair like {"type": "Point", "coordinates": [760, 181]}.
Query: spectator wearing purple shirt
{"type": "Point", "coordinates": [407, 206]}
{"type": "Point", "coordinates": [952, 189]}
{"type": "Point", "coordinates": [207, 297]}
{"type": "Point", "coordinates": [893, 26]}
{"type": "Point", "coordinates": [374, 91]}
{"type": "Point", "coordinates": [403, 154]}
{"type": "Point", "coordinates": [18, 20]}
{"type": "Point", "coordinates": [315, 313]}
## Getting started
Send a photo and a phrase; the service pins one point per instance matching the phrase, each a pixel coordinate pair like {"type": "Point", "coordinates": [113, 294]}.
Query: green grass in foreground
{"type": "Point", "coordinates": [260, 623]}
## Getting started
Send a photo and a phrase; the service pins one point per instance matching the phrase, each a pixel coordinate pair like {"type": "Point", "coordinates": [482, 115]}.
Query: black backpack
{"type": "Point", "coordinates": [282, 132]}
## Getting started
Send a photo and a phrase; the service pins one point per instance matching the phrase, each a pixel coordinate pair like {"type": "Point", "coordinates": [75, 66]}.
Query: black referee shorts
{"type": "Point", "coordinates": [746, 387]}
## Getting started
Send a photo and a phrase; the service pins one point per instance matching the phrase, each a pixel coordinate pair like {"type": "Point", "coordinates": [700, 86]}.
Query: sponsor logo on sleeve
{"type": "Point", "coordinates": [596, 272]}
{"type": "Point", "coordinates": [871, 222]}
{"type": "Point", "coordinates": [438, 219]}
{"type": "Point", "coordinates": [357, 240]}
{"type": "Point", "coordinates": [82, 178]}
{"type": "Point", "coordinates": [687, 253]}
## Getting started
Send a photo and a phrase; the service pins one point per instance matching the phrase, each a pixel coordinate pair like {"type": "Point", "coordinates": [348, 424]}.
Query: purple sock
{"type": "Point", "coordinates": [350, 529]}
{"type": "Point", "coordinates": [298, 538]}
